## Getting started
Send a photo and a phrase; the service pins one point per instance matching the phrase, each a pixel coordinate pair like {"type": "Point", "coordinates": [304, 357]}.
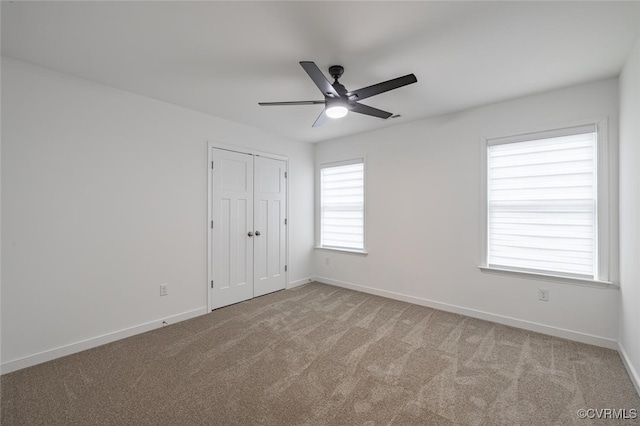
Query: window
{"type": "Point", "coordinates": [542, 203]}
{"type": "Point", "coordinates": [342, 205]}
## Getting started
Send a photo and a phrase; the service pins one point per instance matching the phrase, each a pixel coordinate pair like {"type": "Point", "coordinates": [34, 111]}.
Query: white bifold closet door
{"type": "Point", "coordinates": [269, 209]}
{"type": "Point", "coordinates": [248, 232]}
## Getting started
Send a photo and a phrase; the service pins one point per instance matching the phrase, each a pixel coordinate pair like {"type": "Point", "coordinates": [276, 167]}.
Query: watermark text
{"type": "Point", "coordinates": [608, 413]}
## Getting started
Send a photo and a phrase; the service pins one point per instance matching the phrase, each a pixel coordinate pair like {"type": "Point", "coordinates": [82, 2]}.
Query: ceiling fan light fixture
{"type": "Point", "coordinates": [338, 101]}
{"type": "Point", "coordinates": [336, 111]}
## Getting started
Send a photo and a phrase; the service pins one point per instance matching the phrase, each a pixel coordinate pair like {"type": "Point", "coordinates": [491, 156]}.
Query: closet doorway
{"type": "Point", "coordinates": [247, 225]}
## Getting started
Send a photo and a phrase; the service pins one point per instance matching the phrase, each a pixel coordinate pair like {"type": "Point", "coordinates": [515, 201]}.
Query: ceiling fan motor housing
{"type": "Point", "coordinates": [334, 102]}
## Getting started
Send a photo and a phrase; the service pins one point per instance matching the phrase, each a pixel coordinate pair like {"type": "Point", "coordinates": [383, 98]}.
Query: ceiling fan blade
{"type": "Point", "coordinates": [320, 120]}
{"type": "Point", "coordinates": [366, 92]}
{"type": "Point", "coordinates": [291, 103]}
{"type": "Point", "coordinates": [367, 110]}
{"type": "Point", "coordinates": [319, 79]}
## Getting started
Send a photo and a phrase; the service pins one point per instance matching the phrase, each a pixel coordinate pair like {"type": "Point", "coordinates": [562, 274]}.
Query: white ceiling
{"type": "Point", "coordinates": [222, 58]}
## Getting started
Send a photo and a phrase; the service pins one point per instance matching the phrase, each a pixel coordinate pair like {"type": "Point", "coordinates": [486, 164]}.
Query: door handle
{"type": "Point", "coordinates": [257, 233]}
{"type": "Point", "coordinates": [250, 234]}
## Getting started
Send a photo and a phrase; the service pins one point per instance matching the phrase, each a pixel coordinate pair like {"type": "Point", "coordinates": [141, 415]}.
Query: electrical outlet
{"type": "Point", "coordinates": [164, 289]}
{"type": "Point", "coordinates": [327, 261]}
{"type": "Point", "coordinates": [543, 294]}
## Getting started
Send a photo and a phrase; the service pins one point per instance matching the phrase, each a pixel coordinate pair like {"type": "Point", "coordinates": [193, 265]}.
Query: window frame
{"type": "Point", "coordinates": [603, 223]}
{"type": "Point", "coordinates": [355, 160]}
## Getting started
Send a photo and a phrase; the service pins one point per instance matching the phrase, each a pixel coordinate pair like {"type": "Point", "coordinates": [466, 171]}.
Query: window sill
{"type": "Point", "coordinates": [585, 282]}
{"type": "Point", "coordinates": [343, 250]}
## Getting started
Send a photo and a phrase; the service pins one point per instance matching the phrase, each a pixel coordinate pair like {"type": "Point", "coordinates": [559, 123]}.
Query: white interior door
{"type": "Point", "coordinates": [232, 214]}
{"type": "Point", "coordinates": [269, 223]}
{"type": "Point", "coordinates": [247, 244]}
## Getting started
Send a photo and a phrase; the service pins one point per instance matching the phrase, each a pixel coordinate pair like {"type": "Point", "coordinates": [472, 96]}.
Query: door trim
{"type": "Point", "coordinates": [211, 145]}
{"type": "Point", "coordinates": [243, 150]}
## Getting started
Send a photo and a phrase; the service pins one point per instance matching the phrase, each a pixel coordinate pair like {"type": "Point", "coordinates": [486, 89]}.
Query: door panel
{"type": "Point", "coordinates": [223, 235]}
{"type": "Point", "coordinates": [260, 248]}
{"type": "Point", "coordinates": [232, 256]}
{"type": "Point", "coordinates": [269, 216]}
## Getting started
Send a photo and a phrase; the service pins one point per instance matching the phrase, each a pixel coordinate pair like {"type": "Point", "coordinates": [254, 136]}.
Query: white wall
{"type": "Point", "coordinates": [630, 214]}
{"type": "Point", "coordinates": [0, 225]}
{"type": "Point", "coordinates": [104, 198]}
{"type": "Point", "coordinates": [0, 233]}
{"type": "Point", "coordinates": [423, 225]}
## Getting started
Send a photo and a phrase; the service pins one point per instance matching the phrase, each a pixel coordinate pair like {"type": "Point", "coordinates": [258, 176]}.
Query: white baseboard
{"type": "Point", "coordinates": [300, 282]}
{"type": "Point", "coordinates": [500, 319]}
{"type": "Point", "coordinates": [28, 361]}
{"type": "Point", "coordinates": [635, 378]}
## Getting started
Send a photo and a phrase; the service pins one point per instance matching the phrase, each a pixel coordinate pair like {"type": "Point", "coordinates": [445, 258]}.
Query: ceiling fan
{"type": "Point", "coordinates": [337, 100]}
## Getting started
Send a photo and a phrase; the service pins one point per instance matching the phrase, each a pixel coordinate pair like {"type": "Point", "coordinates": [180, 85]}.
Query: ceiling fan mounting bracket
{"type": "Point", "coordinates": [336, 71]}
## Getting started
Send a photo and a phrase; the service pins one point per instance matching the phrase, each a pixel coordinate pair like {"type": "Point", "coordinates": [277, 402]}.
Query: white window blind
{"type": "Point", "coordinates": [342, 205]}
{"type": "Point", "coordinates": [542, 202]}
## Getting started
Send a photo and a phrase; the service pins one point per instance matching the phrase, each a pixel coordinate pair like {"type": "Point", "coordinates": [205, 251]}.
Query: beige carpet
{"type": "Point", "coordinates": [322, 355]}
